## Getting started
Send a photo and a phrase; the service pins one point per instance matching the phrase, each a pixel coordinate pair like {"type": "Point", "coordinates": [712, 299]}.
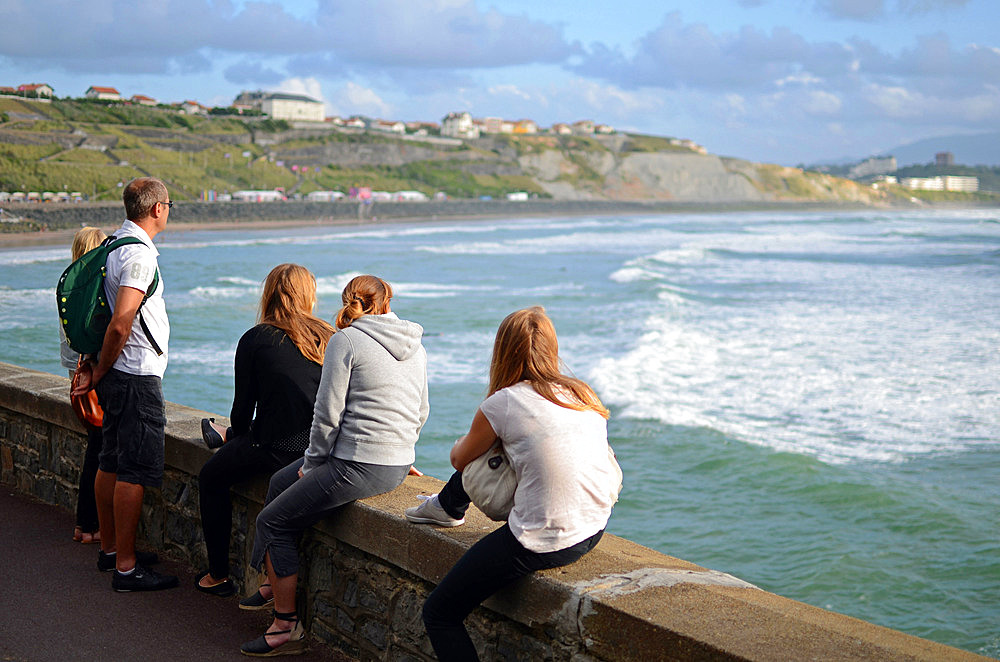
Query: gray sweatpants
{"type": "Point", "coordinates": [294, 504]}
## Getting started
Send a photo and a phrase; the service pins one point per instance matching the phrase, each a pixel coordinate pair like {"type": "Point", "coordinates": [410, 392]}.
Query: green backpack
{"type": "Point", "coordinates": [83, 308]}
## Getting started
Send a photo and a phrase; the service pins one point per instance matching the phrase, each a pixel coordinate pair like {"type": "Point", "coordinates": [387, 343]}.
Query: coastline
{"type": "Point", "coordinates": [195, 217]}
{"type": "Point", "coordinates": [65, 236]}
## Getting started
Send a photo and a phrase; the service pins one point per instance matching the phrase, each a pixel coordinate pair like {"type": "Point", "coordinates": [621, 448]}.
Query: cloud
{"type": "Point", "coordinates": [252, 73]}
{"type": "Point", "coordinates": [895, 102]}
{"type": "Point", "coordinates": [512, 91]}
{"type": "Point", "coordinates": [861, 10]}
{"type": "Point", "coordinates": [354, 99]}
{"type": "Point", "coordinates": [791, 75]}
{"type": "Point", "coordinates": [310, 87]}
{"type": "Point", "coordinates": [870, 10]}
{"type": "Point", "coordinates": [676, 54]}
{"type": "Point", "coordinates": [429, 33]}
{"type": "Point", "coordinates": [819, 102]}
{"type": "Point", "coordinates": [126, 37]}
{"type": "Point", "coordinates": [927, 6]}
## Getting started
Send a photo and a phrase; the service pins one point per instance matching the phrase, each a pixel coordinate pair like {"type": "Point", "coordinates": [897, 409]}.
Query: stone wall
{"type": "Point", "coordinates": [366, 571]}
{"type": "Point", "coordinates": [110, 214]}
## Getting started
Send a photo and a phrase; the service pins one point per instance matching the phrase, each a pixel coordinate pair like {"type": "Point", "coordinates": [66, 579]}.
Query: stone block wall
{"type": "Point", "coordinates": [366, 571]}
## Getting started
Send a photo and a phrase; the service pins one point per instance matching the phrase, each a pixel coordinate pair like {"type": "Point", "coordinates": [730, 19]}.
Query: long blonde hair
{"type": "Point", "coordinates": [364, 295]}
{"type": "Point", "coordinates": [85, 240]}
{"type": "Point", "coordinates": [287, 302]}
{"type": "Point", "coordinates": [526, 349]}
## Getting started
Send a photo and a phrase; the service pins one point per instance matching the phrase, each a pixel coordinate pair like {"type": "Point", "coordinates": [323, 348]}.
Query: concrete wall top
{"type": "Point", "coordinates": [623, 600]}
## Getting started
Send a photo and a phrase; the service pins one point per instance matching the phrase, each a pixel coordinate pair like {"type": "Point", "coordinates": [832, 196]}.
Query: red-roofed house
{"type": "Point", "coordinates": [36, 90]}
{"type": "Point", "coordinates": [143, 100]}
{"type": "Point", "coordinates": [194, 108]}
{"type": "Point", "coordinates": [7, 90]}
{"type": "Point", "coordinates": [106, 93]}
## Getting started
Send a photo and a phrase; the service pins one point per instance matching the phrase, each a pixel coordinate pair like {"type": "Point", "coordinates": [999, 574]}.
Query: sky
{"type": "Point", "coordinates": [778, 81]}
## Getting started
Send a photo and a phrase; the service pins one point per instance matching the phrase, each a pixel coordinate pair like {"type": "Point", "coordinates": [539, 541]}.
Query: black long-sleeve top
{"type": "Point", "coordinates": [274, 379]}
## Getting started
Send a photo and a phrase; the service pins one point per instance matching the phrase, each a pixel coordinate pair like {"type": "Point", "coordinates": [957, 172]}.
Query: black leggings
{"type": "Point", "coordinates": [494, 562]}
{"type": "Point", "coordinates": [236, 461]}
{"type": "Point", "coordinates": [86, 503]}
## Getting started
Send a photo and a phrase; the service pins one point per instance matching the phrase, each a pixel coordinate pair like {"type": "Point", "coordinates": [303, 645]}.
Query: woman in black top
{"type": "Point", "coordinates": [278, 366]}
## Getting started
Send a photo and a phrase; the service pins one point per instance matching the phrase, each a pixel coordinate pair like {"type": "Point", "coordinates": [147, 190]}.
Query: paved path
{"type": "Point", "coordinates": [55, 605]}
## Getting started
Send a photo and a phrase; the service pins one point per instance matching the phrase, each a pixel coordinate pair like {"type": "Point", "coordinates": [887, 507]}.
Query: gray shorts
{"type": "Point", "coordinates": [134, 420]}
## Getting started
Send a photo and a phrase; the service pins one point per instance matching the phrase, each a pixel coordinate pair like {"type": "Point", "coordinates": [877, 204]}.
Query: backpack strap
{"type": "Point", "coordinates": [114, 242]}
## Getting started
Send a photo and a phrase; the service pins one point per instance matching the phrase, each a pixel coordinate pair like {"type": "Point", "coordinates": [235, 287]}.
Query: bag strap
{"type": "Point", "coordinates": [114, 242]}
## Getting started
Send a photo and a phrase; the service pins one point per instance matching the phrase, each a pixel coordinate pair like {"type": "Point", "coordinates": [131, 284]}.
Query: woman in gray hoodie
{"type": "Point", "coordinates": [370, 406]}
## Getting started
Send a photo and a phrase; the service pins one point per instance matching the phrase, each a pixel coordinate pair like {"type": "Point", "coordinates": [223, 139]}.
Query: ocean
{"type": "Point", "coordinates": [808, 401]}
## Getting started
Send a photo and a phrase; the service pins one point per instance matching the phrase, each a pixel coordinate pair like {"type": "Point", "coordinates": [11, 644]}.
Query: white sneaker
{"type": "Point", "coordinates": [431, 512]}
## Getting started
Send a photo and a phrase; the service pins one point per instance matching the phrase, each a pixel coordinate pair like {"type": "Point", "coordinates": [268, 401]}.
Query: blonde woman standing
{"type": "Point", "coordinates": [554, 430]}
{"type": "Point", "coordinates": [370, 407]}
{"type": "Point", "coordinates": [277, 370]}
{"type": "Point", "coordinates": [87, 529]}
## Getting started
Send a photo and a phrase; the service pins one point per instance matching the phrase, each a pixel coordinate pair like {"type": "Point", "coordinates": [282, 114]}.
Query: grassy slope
{"type": "Point", "coordinates": [39, 152]}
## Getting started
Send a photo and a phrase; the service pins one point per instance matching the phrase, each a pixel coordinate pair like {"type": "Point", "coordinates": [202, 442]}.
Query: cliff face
{"type": "Point", "coordinates": [576, 168]}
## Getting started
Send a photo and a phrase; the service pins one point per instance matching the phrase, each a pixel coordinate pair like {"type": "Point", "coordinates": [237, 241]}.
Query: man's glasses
{"type": "Point", "coordinates": [168, 203]}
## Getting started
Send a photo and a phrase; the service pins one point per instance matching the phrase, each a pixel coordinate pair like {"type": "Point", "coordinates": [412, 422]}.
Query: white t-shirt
{"type": "Point", "coordinates": [565, 481]}
{"type": "Point", "coordinates": [134, 266]}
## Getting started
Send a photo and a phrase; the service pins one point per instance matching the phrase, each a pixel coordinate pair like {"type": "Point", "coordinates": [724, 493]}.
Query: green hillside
{"type": "Point", "coordinates": [93, 148]}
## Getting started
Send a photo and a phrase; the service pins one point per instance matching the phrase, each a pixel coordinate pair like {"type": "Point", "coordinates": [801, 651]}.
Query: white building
{"type": "Point", "coordinates": [459, 125]}
{"type": "Point", "coordinates": [389, 126]}
{"type": "Point", "coordinates": [411, 196]}
{"type": "Point", "coordinates": [293, 107]}
{"type": "Point", "coordinates": [923, 183]}
{"type": "Point", "coordinates": [965, 184]}
{"type": "Point", "coordinates": [35, 90]}
{"type": "Point", "coordinates": [258, 196]}
{"type": "Point", "coordinates": [281, 106]}
{"type": "Point", "coordinates": [324, 196]}
{"type": "Point", "coordinates": [193, 108]}
{"type": "Point", "coordinates": [105, 93]}
{"type": "Point", "coordinates": [942, 183]}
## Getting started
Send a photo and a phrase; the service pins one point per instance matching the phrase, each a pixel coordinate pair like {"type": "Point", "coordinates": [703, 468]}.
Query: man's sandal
{"type": "Point", "coordinates": [257, 602]}
{"type": "Point", "coordinates": [296, 644]}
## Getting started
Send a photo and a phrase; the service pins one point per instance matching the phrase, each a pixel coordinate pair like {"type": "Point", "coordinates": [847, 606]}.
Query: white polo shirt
{"type": "Point", "coordinates": [134, 266]}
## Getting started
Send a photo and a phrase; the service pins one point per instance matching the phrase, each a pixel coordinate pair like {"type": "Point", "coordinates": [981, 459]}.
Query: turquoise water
{"type": "Point", "coordinates": [808, 401]}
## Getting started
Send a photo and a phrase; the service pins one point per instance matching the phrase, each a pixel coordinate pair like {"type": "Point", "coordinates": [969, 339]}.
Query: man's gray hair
{"type": "Point", "coordinates": [141, 194]}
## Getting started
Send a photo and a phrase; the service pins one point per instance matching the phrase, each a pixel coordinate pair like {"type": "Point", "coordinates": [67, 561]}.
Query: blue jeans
{"type": "Point", "coordinates": [294, 504]}
{"type": "Point", "coordinates": [491, 564]}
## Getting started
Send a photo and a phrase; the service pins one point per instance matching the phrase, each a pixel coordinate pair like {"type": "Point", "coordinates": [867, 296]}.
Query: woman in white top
{"type": "Point", "coordinates": [554, 430]}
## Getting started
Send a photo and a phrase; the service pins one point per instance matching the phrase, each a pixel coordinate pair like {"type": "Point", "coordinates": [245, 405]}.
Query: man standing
{"type": "Point", "coordinates": [127, 376]}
